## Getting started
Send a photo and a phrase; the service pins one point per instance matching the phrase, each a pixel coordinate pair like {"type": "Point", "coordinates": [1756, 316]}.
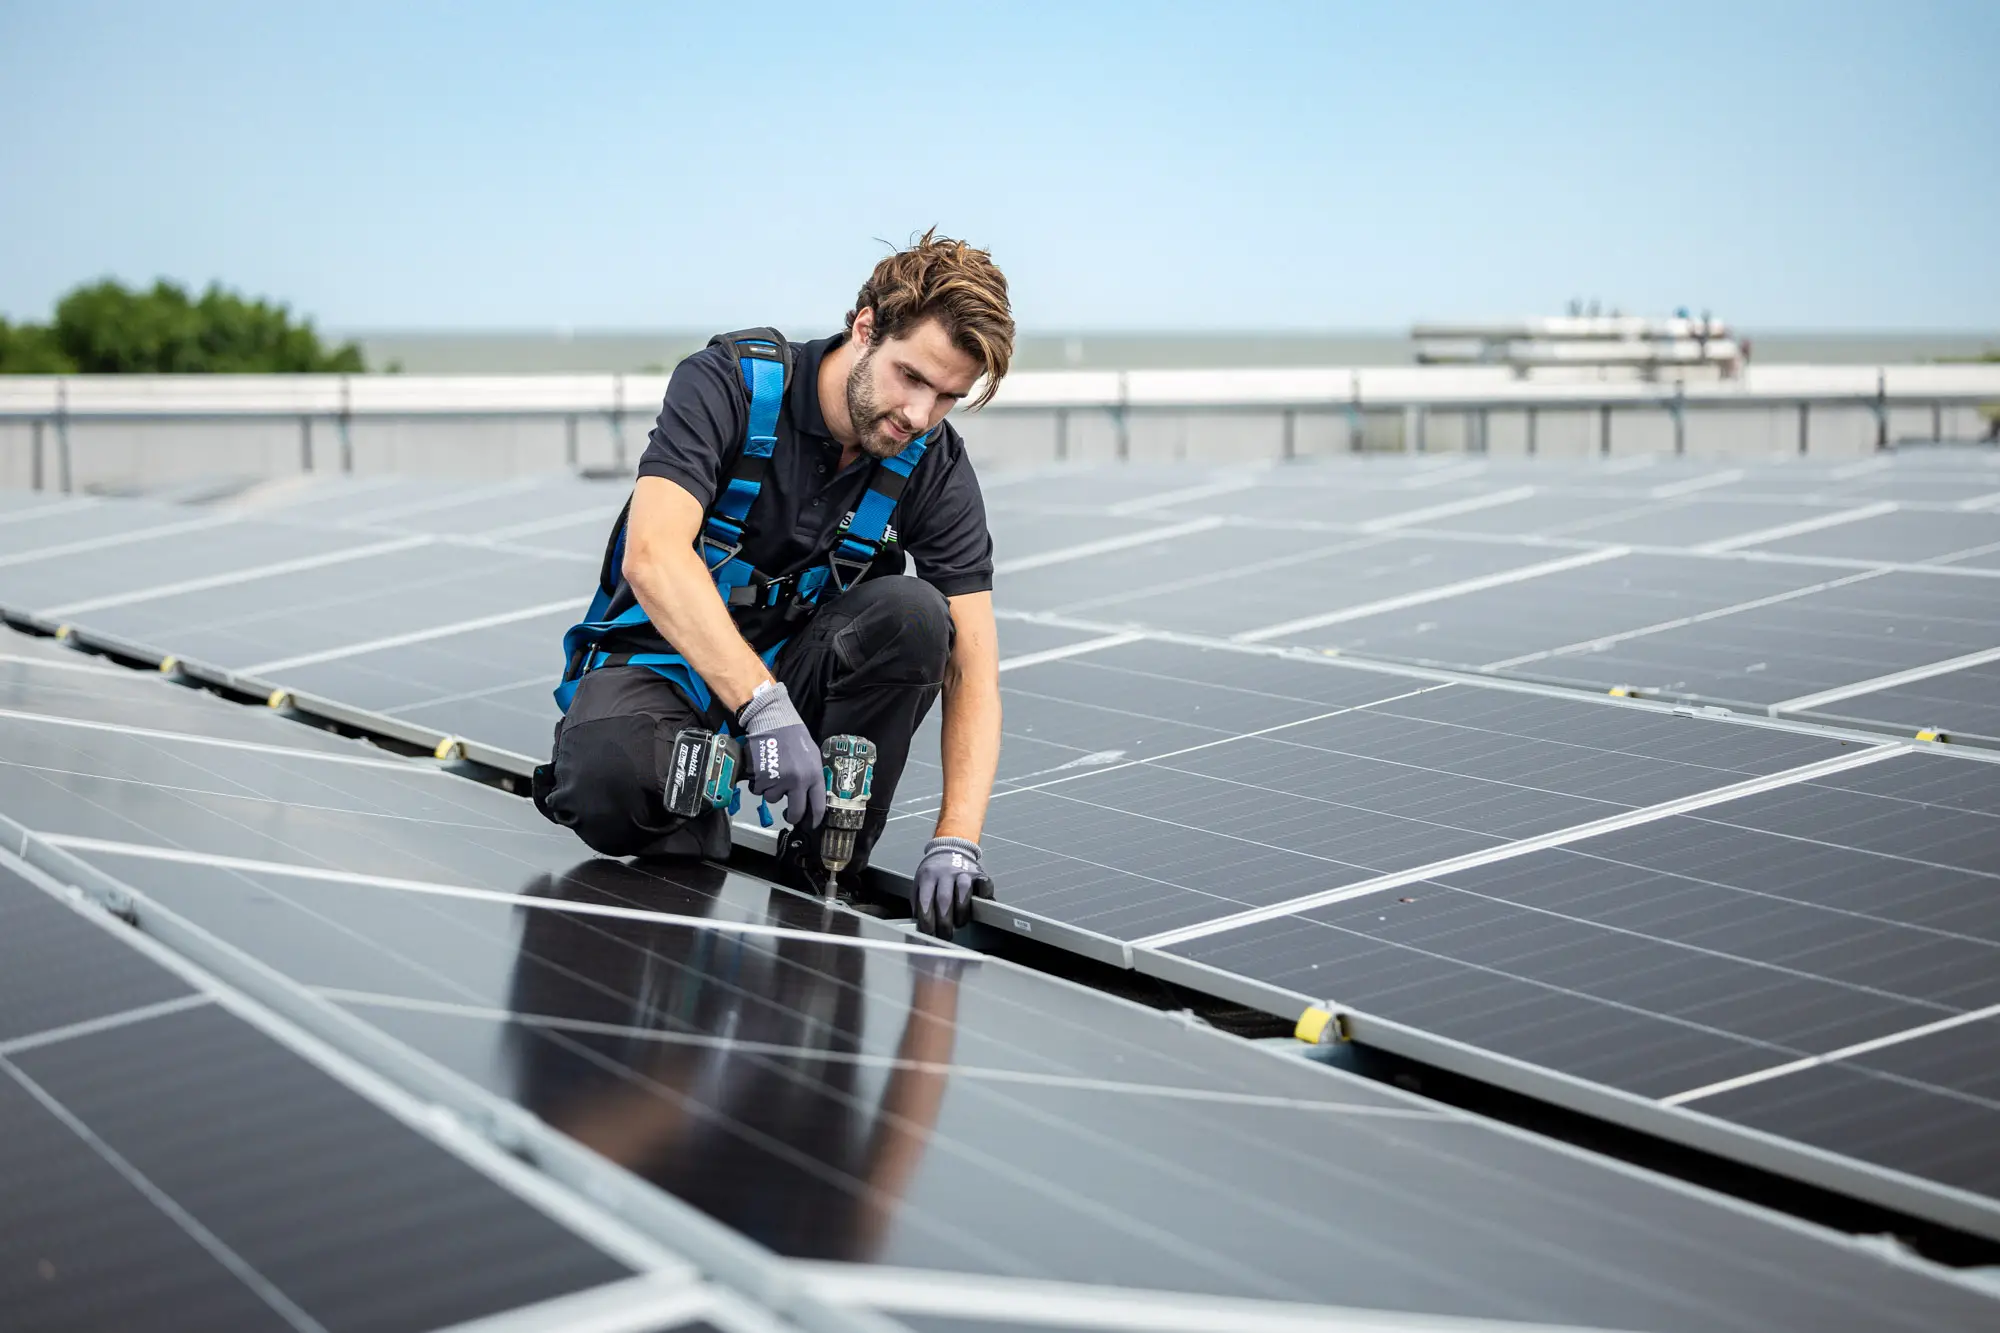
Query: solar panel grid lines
{"type": "Point", "coordinates": [1818, 702]}
{"type": "Point", "coordinates": [104, 1113]}
{"type": "Point", "coordinates": [1599, 642]}
{"type": "Point", "coordinates": [1859, 1048]}
{"type": "Point", "coordinates": [1508, 619]}
{"type": "Point", "coordinates": [1507, 849]}
{"type": "Point", "coordinates": [287, 1012]}
{"type": "Point", "coordinates": [1049, 731]}
{"type": "Point", "coordinates": [114, 530]}
{"type": "Point", "coordinates": [1651, 1243]}
{"type": "Point", "coordinates": [1493, 973]}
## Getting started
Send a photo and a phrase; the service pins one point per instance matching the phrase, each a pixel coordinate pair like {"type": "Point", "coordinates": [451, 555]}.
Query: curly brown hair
{"type": "Point", "coordinates": [939, 278]}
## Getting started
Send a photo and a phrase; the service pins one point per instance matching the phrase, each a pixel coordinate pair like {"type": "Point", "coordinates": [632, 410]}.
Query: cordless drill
{"type": "Point", "coordinates": [850, 774]}
{"type": "Point", "coordinates": [703, 774]}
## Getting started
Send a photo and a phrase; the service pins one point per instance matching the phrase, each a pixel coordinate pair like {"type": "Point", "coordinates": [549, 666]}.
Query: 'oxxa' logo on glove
{"type": "Point", "coordinates": [767, 756]}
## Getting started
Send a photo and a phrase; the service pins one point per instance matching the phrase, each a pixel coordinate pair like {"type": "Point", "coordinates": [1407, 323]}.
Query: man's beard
{"type": "Point", "coordinates": [865, 415]}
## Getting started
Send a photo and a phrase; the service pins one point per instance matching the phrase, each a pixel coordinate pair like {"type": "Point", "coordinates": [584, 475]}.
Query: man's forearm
{"type": "Point", "coordinates": [971, 740]}
{"type": "Point", "coordinates": [680, 599]}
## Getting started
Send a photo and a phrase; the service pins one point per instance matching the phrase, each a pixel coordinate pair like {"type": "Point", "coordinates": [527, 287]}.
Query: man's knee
{"type": "Point", "coordinates": [902, 623]}
{"type": "Point", "coordinates": [606, 785]}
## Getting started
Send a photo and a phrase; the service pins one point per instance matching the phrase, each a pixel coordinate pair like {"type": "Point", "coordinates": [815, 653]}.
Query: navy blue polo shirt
{"type": "Point", "coordinates": [940, 519]}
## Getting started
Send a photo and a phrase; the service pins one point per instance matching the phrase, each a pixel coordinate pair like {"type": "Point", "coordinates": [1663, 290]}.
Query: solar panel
{"type": "Point", "coordinates": [1968, 696]}
{"type": "Point", "coordinates": [1692, 959]}
{"type": "Point", "coordinates": [168, 1164]}
{"type": "Point", "coordinates": [1140, 820]}
{"type": "Point", "coordinates": [1898, 536]}
{"type": "Point", "coordinates": [1744, 586]}
{"type": "Point", "coordinates": [1843, 634]}
{"type": "Point", "coordinates": [821, 1082]}
{"type": "Point", "coordinates": [1296, 776]}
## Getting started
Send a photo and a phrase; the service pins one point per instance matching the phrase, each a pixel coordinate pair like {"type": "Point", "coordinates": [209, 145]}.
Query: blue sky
{"type": "Point", "coordinates": [1156, 166]}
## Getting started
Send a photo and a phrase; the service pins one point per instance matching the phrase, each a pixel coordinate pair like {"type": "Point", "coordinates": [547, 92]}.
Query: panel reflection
{"type": "Point", "coordinates": [726, 1067]}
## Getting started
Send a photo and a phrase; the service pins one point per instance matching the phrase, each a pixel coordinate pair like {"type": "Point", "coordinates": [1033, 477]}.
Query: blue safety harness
{"type": "Point", "coordinates": [763, 358]}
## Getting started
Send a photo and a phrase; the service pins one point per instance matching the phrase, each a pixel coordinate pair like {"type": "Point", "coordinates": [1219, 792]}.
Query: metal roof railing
{"type": "Point", "coordinates": [52, 403]}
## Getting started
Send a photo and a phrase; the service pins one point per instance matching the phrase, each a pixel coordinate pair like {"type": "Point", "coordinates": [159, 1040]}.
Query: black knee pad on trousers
{"type": "Point", "coordinates": [606, 775]}
{"type": "Point", "coordinates": [898, 631]}
{"type": "Point", "coordinates": [605, 780]}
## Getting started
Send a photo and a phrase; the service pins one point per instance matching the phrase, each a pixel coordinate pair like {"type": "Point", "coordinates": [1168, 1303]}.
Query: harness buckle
{"type": "Point", "coordinates": [844, 570]}
{"type": "Point", "coordinates": [709, 544]}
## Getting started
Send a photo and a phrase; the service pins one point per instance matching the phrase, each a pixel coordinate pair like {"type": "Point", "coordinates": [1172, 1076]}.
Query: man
{"type": "Point", "coordinates": [819, 634]}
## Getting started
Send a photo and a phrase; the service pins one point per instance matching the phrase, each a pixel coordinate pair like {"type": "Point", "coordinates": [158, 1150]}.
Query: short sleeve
{"type": "Point", "coordinates": [943, 519]}
{"type": "Point", "coordinates": [700, 420]}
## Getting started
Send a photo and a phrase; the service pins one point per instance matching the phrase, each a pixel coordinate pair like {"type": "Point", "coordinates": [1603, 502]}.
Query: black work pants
{"type": "Point", "coordinates": [869, 663]}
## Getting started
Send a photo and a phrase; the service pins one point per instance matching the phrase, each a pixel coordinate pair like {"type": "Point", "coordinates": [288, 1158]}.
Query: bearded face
{"type": "Point", "coordinates": [880, 435]}
{"type": "Point", "coordinates": [900, 387]}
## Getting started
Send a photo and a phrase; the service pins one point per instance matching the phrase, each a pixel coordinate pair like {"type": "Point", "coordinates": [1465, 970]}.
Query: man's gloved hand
{"type": "Point", "coordinates": [948, 878]}
{"type": "Point", "coordinates": [781, 757]}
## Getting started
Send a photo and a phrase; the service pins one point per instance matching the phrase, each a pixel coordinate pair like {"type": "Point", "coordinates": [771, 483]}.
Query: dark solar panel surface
{"type": "Point", "coordinates": [1583, 608]}
{"type": "Point", "coordinates": [1841, 635]}
{"type": "Point", "coordinates": [352, 1216]}
{"type": "Point", "coordinates": [1690, 951]}
{"type": "Point", "coordinates": [1035, 1128]}
{"type": "Point", "coordinates": [56, 969]}
{"type": "Point", "coordinates": [1929, 1106]}
{"type": "Point", "coordinates": [1897, 536]}
{"type": "Point", "coordinates": [176, 1168]}
{"type": "Point", "coordinates": [1132, 802]}
{"type": "Point", "coordinates": [334, 608]}
{"type": "Point", "coordinates": [1357, 773]}
{"type": "Point", "coordinates": [1054, 1126]}
{"type": "Point", "coordinates": [1970, 697]}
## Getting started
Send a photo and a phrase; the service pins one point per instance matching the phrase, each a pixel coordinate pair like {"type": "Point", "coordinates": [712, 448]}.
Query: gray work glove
{"type": "Point", "coordinates": [781, 757]}
{"type": "Point", "coordinates": [948, 878]}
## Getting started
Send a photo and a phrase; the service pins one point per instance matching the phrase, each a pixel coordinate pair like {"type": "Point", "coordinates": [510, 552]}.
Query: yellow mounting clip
{"type": "Point", "coordinates": [279, 699]}
{"type": "Point", "coordinates": [169, 665]}
{"type": "Point", "coordinates": [1319, 1027]}
{"type": "Point", "coordinates": [1620, 692]}
{"type": "Point", "coordinates": [1933, 734]}
{"type": "Point", "coordinates": [449, 748]}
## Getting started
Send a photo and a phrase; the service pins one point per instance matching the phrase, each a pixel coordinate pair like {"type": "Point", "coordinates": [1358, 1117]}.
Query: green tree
{"type": "Point", "coordinates": [27, 349]}
{"type": "Point", "coordinates": [104, 328]}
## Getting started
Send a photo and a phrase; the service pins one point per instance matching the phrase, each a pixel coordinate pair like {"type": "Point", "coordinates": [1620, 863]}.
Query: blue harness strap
{"type": "Point", "coordinates": [740, 584]}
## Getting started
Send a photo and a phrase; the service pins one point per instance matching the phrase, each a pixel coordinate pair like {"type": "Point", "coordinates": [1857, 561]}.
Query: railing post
{"type": "Point", "coordinates": [35, 452]}
{"type": "Point", "coordinates": [346, 423]}
{"type": "Point", "coordinates": [1937, 423]}
{"type": "Point", "coordinates": [1479, 422]}
{"type": "Point", "coordinates": [1604, 431]}
{"type": "Point", "coordinates": [1881, 411]}
{"type": "Point", "coordinates": [618, 422]}
{"type": "Point", "coordinates": [1062, 435]}
{"type": "Point", "coordinates": [1680, 420]}
{"type": "Point", "coordinates": [1805, 425]}
{"type": "Point", "coordinates": [1291, 433]}
{"type": "Point", "coordinates": [569, 441]}
{"type": "Point", "coordinates": [1531, 430]}
{"type": "Point", "coordinates": [305, 443]}
{"type": "Point", "coordinates": [63, 475]}
{"type": "Point", "coordinates": [1354, 435]}
{"type": "Point", "coordinates": [1124, 417]}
